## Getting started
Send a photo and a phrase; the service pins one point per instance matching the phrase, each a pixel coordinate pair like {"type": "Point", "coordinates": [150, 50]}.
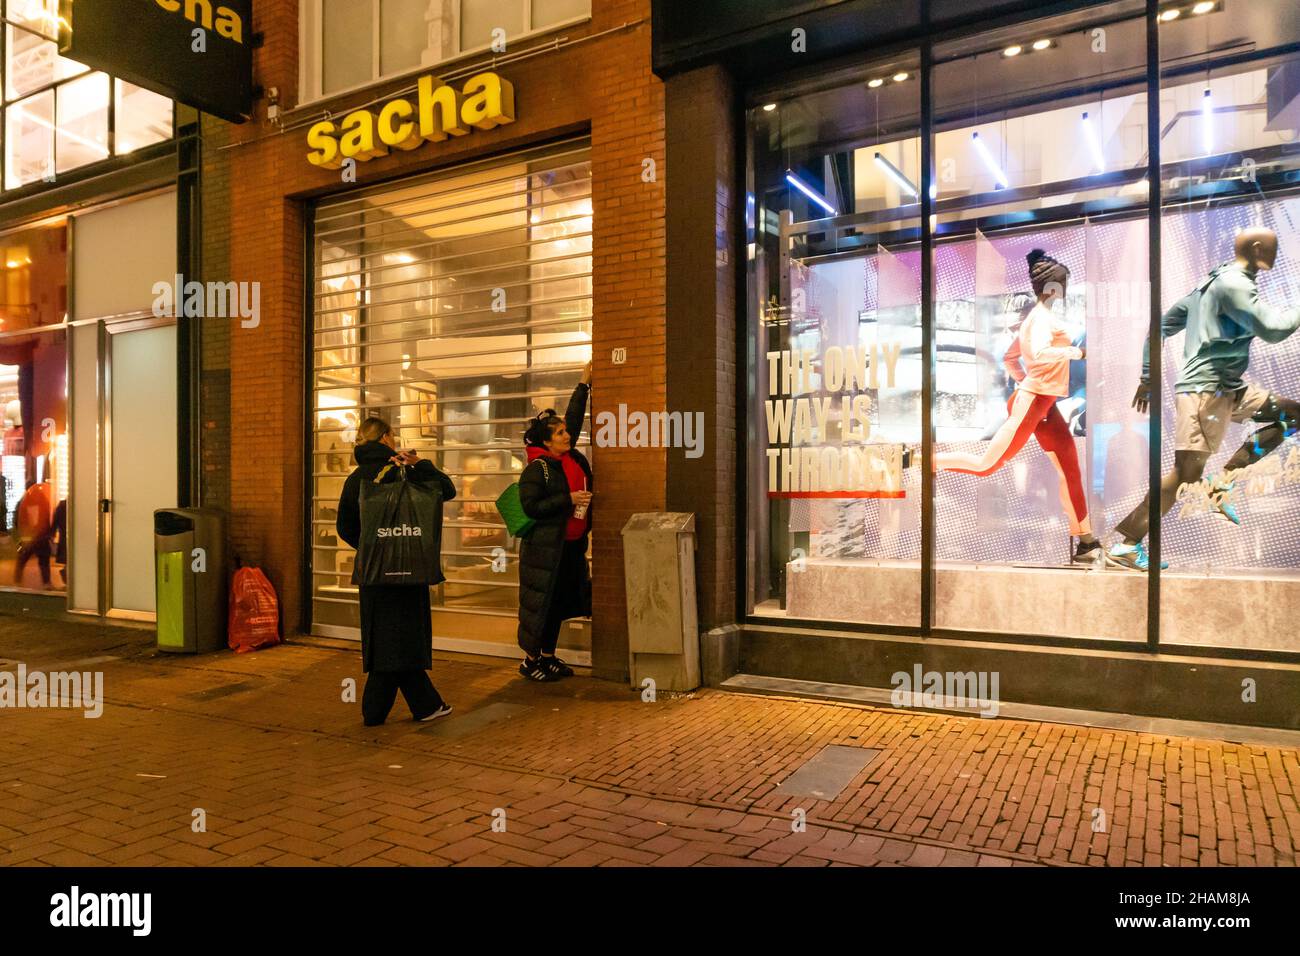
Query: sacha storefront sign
{"type": "Point", "coordinates": [197, 52]}
{"type": "Point", "coordinates": [437, 112]}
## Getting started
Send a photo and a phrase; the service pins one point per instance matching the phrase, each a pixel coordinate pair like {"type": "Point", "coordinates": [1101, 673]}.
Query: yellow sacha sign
{"type": "Point", "coordinates": [440, 111]}
{"type": "Point", "coordinates": [227, 23]}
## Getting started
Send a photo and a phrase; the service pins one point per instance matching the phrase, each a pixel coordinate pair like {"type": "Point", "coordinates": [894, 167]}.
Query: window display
{"type": "Point", "coordinates": [1041, 301]}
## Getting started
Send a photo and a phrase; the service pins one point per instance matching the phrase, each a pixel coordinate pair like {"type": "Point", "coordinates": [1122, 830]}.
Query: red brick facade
{"type": "Point", "coordinates": [257, 187]}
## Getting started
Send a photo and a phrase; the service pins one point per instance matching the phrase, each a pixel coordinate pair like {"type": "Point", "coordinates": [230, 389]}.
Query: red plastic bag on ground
{"type": "Point", "coordinates": [254, 612]}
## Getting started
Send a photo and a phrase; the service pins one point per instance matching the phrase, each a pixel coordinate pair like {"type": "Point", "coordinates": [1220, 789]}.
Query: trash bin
{"type": "Point", "coordinates": [190, 579]}
{"type": "Point", "coordinates": [662, 626]}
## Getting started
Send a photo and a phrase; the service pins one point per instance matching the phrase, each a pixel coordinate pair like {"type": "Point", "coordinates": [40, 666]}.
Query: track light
{"type": "Point", "coordinates": [1205, 6]}
{"type": "Point", "coordinates": [768, 107]}
{"type": "Point", "coordinates": [1013, 50]}
{"type": "Point", "coordinates": [875, 83]}
{"type": "Point", "coordinates": [900, 76]}
{"type": "Point", "coordinates": [1207, 122]}
{"type": "Point", "coordinates": [1094, 144]}
{"type": "Point", "coordinates": [1171, 14]}
{"type": "Point", "coordinates": [896, 174]}
{"type": "Point", "coordinates": [999, 177]}
{"type": "Point", "coordinates": [1042, 44]}
{"type": "Point", "coordinates": [811, 193]}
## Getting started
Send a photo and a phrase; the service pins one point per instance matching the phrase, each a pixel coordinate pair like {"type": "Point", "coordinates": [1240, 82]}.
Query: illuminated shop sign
{"type": "Point", "coordinates": [197, 52]}
{"type": "Point", "coordinates": [439, 111]}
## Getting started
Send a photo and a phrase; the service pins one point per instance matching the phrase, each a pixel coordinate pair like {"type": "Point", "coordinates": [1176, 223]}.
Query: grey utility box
{"type": "Point", "coordinates": [190, 579]}
{"type": "Point", "coordinates": [662, 626]}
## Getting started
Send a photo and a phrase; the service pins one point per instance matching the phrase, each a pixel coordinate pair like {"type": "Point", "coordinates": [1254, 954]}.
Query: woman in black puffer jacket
{"type": "Point", "coordinates": [396, 625]}
{"type": "Point", "coordinates": [555, 491]}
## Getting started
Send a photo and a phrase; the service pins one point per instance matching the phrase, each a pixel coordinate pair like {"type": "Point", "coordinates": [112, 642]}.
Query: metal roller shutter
{"type": "Point", "coordinates": [454, 305]}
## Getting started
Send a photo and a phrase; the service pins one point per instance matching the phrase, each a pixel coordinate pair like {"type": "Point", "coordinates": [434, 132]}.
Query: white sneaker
{"type": "Point", "coordinates": [442, 711]}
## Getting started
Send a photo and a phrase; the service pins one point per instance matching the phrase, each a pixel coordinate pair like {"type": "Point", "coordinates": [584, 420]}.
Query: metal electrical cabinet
{"type": "Point", "coordinates": [190, 579]}
{"type": "Point", "coordinates": [663, 636]}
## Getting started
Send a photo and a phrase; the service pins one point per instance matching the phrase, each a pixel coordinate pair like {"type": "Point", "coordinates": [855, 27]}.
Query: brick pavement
{"type": "Point", "coordinates": [586, 774]}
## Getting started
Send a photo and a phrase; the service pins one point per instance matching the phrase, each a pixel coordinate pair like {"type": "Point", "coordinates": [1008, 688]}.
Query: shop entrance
{"type": "Point", "coordinates": [455, 306]}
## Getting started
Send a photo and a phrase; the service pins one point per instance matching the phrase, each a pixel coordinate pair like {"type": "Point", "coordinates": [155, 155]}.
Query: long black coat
{"type": "Point", "coordinates": [547, 502]}
{"type": "Point", "coordinates": [396, 626]}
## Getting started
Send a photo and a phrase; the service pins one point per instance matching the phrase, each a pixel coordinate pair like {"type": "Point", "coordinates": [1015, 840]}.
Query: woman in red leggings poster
{"type": "Point", "coordinates": [1044, 348]}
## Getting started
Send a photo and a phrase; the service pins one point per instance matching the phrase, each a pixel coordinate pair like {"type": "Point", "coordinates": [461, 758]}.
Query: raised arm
{"type": "Point", "coordinates": [1239, 299]}
{"type": "Point", "coordinates": [576, 413]}
{"type": "Point", "coordinates": [426, 470]}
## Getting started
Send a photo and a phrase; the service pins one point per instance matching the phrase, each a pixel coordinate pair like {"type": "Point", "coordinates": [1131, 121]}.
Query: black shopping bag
{"type": "Point", "coordinates": [401, 532]}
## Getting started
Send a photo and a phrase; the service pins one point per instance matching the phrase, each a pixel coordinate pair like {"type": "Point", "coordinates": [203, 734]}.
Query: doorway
{"type": "Point", "coordinates": [139, 425]}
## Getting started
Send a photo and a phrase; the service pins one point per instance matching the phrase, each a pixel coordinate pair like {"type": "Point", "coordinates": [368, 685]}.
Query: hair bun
{"type": "Point", "coordinates": [1035, 256]}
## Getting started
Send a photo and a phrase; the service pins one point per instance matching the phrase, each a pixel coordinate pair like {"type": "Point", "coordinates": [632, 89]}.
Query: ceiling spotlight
{"type": "Point", "coordinates": [1205, 6]}
{"type": "Point", "coordinates": [1013, 50]}
{"type": "Point", "coordinates": [1171, 14]}
{"type": "Point", "coordinates": [900, 76]}
{"type": "Point", "coordinates": [1042, 44]}
{"type": "Point", "coordinates": [875, 83]}
{"type": "Point", "coordinates": [768, 107]}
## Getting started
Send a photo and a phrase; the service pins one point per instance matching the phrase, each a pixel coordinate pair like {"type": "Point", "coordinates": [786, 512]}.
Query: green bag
{"type": "Point", "coordinates": [518, 524]}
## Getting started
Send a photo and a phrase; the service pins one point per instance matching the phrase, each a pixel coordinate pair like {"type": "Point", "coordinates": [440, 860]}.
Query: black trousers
{"type": "Point", "coordinates": [381, 692]}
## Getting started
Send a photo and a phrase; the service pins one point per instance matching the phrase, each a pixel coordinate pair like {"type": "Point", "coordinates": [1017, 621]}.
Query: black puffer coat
{"type": "Point", "coordinates": [396, 627]}
{"type": "Point", "coordinates": [547, 502]}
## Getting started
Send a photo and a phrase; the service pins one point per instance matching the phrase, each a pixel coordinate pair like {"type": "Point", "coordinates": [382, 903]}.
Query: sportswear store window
{"type": "Point", "coordinates": [1032, 284]}
{"type": "Point", "coordinates": [455, 305]}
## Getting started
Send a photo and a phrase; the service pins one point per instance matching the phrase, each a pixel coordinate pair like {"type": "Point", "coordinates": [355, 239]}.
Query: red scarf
{"type": "Point", "coordinates": [576, 527]}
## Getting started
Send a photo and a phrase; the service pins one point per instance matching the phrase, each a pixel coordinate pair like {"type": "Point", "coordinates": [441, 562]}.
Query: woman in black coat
{"type": "Point", "coordinates": [555, 491]}
{"type": "Point", "coordinates": [396, 624]}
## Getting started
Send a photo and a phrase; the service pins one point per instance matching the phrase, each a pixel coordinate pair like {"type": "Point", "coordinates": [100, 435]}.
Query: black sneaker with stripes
{"type": "Point", "coordinates": [534, 669]}
{"type": "Point", "coordinates": [556, 666]}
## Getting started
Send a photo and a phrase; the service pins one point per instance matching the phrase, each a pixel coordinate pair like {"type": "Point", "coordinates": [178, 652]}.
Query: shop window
{"type": "Point", "coordinates": [351, 43]}
{"type": "Point", "coordinates": [34, 463]}
{"type": "Point", "coordinates": [455, 306]}
{"type": "Point", "coordinates": [82, 112]}
{"type": "Point", "coordinates": [29, 140]}
{"type": "Point", "coordinates": [834, 263]}
{"type": "Point", "coordinates": [56, 117]}
{"type": "Point", "coordinates": [143, 117]}
{"type": "Point", "coordinates": [1231, 151]}
{"type": "Point", "coordinates": [1040, 301]}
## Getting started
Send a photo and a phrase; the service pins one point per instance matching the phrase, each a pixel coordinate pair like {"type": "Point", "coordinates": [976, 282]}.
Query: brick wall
{"type": "Point", "coordinates": [701, 319]}
{"type": "Point", "coordinates": [257, 189]}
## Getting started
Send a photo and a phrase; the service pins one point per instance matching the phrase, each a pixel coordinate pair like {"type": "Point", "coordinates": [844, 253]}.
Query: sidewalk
{"type": "Point", "coordinates": [582, 773]}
